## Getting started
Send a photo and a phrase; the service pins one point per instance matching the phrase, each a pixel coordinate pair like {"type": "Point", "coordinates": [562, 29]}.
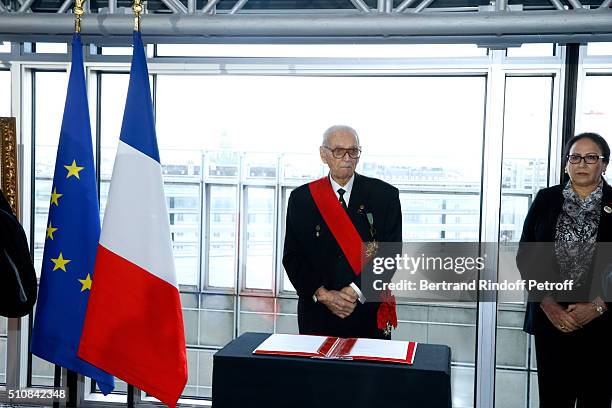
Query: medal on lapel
{"type": "Point", "coordinates": [371, 249]}
{"type": "Point", "coordinates": [372, 246]}
{"type": "Point", "coordinates": [608, 209]}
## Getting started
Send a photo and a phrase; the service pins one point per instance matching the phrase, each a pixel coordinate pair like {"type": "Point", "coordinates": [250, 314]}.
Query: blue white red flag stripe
{"type": "Point", "coordinates": [134, 325]}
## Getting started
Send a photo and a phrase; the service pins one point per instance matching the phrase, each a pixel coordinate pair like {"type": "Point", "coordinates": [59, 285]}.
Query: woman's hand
{"type": "Point", "coordinates": [558, 316]}
{"type": "Point", "coordinates": [582, 313]}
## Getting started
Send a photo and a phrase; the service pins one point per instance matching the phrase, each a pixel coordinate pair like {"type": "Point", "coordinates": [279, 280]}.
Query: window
{"type": "Point", "coordinates": [49, 97]}
{"type": "Point", "coordinates": [322, 50]}
{"type": "Point", "coordinates": [233, 147]}
{"type": "Point", "coordinates": [51, 48]}
{"type": "Point", "coordinates": [599, 49]}
{"type": "Point", "coordinates": [527, 131]}
{"type": "Point", "coordinates": [223, 205]}
{"type": "Point", "coordinates": [248, 163]}
{"type": "Point", "coordinates": [595, 115]}
{"type": "Point", "coordinates": [532, 50]}
{"type": "Point", "coordinates": [5, 93]}
{"type": "Point", "coordinates": [259, 264]}
{"type": "Point", "coordinates": [438, 216]}
{"type": "Point", "coordinates": [183, 202]}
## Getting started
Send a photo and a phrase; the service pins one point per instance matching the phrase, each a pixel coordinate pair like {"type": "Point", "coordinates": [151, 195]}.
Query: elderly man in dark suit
{"type": "Point", "coordinates": [329, 223]}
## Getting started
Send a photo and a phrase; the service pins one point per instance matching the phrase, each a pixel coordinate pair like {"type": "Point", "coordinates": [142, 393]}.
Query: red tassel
{"type": "Point", "coordinates": [386, 311]}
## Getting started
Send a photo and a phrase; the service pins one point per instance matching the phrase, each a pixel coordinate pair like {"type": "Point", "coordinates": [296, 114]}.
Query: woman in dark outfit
{"type": "Point", "coordinates": [573, 339]}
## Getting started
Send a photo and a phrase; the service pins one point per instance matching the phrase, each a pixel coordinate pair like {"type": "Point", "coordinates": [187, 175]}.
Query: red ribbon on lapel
{"type": "Point", "coordinates": [338, 221]}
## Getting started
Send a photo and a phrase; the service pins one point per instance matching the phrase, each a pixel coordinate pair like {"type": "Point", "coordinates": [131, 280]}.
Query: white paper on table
{"type": "Point", "coordinates": [380, 349]}
{"type": "Point", "coordinates": [291, 343]}
{"type": "Point", "coordinates": [361, 349]}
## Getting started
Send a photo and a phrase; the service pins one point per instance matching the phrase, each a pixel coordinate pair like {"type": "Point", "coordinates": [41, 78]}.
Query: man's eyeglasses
{"type": "Point", "coordinates": [590, 158]}
{"type": "Point", "coordinates": [340, 152]}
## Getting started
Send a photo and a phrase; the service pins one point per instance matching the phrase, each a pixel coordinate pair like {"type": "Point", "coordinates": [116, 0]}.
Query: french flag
{"type": "Point", "coordinates": [134, 326]}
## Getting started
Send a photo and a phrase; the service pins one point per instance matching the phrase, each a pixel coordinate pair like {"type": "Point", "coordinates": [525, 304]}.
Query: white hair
{"type": "Point", "coordinates": [338, 128]}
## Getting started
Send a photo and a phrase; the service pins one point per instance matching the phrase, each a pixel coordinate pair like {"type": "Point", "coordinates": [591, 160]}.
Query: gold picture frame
{"type": "Point", "coordinates": [8, 162]}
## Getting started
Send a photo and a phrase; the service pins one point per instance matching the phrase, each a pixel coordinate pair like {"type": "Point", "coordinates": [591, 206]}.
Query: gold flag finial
{"type": "Point", "coordinates": [137, 7]}
{"type": "Point", "coordinates": [78, 13]}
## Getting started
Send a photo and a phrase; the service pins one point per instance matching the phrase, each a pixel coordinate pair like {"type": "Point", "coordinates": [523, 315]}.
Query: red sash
{"type": "Point", "coordinates": [338, 221]}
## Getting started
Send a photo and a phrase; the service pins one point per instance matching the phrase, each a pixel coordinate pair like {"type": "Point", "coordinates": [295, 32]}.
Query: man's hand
{"type": "Point", "coordinates": [338, 302]}
{"type": "Point", "coordinates": [583, 313]}
{"type": "Point", "coordinates": [558, 316]}
{"type": "Point", "coordinates": [350, 292]}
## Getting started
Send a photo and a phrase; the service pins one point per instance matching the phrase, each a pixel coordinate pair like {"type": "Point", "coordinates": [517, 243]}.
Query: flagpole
{"type": "Point", "coordinates": [72, 376]}
{"type": "Point", "coordinates": [137, 8]}
{"type": "Point", "coordinates": [78, 13]}
{"type": "Point", "coordinates": [57, 382]}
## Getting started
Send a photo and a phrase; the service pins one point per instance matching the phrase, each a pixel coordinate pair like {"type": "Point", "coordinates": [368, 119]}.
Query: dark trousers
{"type": "Point", "coordinates": [575, 369]}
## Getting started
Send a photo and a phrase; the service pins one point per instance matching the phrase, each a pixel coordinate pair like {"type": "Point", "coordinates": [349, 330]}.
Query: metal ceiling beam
{"type": "Point", "coordinates": [238, 6]}
{"type": "Point", "coordinates": [176, 6]}
{"type": "Point", "coordinates": [558, 5]}
{"type": "Point", "coordinates": [65, 6]}
{"type": "Point", "coordinates": [424, 4]}
{"type": "Point", "coordinates": [210, 5]}
{"type": "Point", "coordinates": [507, 26]}
{"type": "Point", "coordinates": [361, 6]}
{"type": "Point", "coordinates": [403, 6]}
{"type": "Point", "coordinates": [25, 6]}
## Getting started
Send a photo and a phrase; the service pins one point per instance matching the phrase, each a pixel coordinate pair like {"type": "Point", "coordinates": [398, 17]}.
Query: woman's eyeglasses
{"type": "Point", "coordinates": [590, 158]}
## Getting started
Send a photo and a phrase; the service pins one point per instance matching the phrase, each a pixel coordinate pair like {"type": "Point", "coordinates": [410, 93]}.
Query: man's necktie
{"type": "Point", "coordinates": [341, 192]}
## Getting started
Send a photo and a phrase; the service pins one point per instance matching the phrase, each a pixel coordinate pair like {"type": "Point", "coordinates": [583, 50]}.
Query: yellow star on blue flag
{"type": "Point", "coordinates": [50, 231]}
{"type": "Point", "coordinates": [60, 262]}
{"type": "Point", "coordinates": [55, 197]}
{"type": "Point", "coordinates": [73, 170]}
{"type": "Point", "coordinates": [85, 283]}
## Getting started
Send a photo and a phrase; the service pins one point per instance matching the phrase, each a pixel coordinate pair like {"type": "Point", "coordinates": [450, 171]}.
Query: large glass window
{"type": "Point", "coordinates": [223, 212]}
{"type": "Point", "coordinates": [51, 48]}
{"type": "Point", "coordinates": [599, 49]}
{"type": "Point", "coordinates": [5, 93]}
{"type": "Point", "coordinates": [49, 96]}
{"type": "Point", "coordinates": [527, 130]}
{"type": "Point", "coordinates": [322, 50]}
{"type": "Point", "coordinates": [233, 147]}
{"type": "Point", "coordinates": [259, 263]}
{"type": "Point", "coordinates": [595, 114]}
{"type": "Point", "coordinates": [257, 142]}
{"type": "Point", "coordinates": [183, 201]}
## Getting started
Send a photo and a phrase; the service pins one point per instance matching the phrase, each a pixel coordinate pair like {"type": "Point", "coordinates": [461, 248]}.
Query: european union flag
{"type": "Point", "coordinates": [72, 234]}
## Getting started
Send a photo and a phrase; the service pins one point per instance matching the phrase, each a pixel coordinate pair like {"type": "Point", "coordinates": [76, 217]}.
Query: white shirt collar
{"type": "Point", "coordinates": [348, 188]}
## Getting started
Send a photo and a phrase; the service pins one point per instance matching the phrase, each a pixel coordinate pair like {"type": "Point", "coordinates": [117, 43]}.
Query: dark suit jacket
{"type": "Point", "coordinates": [18, 285]}
{"type": "Point", "coordinates": [313, 260]}
{"type": "Point", "coordinates": [540, 225]}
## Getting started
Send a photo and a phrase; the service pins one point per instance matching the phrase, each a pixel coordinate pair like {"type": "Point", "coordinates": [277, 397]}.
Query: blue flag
{"type": "Point", "coordinates": [71, 241]}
